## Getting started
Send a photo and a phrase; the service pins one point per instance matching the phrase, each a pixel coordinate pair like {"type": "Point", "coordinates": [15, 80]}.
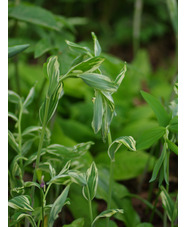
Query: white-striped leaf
{"type": "Point", "coordinates": [97, 47]}
{"type": "Point", "coordinates": [30, 218]}
{"type": "Point", "coordinates": [89, 191]}
{"type": "Point", "coordinates": [20, 202]}
{"type": "Point", "coordinates": [13, 116]}
{"type": "Point", "coordinates": [29, 97]}
{"type": "Point", "coordinates": [127, 141]}
{"type": "Point", "coordinates": [107, 214]}
{"type": "Point", "coordinates": [57, 206]}
{"type": "Point", "coordinates": [78, 48]}
{"type": "Point", "coordinates": [98, 111]}
{"type": "Point", "coordinates": [12, 141]}
{"type": "Point", "coordinates": [13, 97]}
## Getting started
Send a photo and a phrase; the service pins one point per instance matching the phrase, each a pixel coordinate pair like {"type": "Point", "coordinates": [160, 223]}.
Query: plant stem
{"type": "Point", "coordinates": [20, 135]}
{"type": "Point", "coordinates": [90, 206]}
{"type": "Point", "coordinates": [40, 146]}
{"type": "Point", "coordinates": [110, 179]}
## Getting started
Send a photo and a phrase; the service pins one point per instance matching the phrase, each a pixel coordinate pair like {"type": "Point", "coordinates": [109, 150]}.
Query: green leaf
{"type": "Point", "coordinates": [172, 146]}
{"type": "Point", "coordinates": [173, 125]}
{"type": "Point", "coordinates": [168, 203]}
{"type": "Point", "coordinates": [53, 74]}
{"type": "Point", "coordinates": [13, 116]}
{"type": "Point", "coordinates": [158, 164]}
{"type": "Point", "coordinates": [89, 191]}
{"type": "Point", "coordinates": [57, 206]}
{"type": "Point", "coordinates": [98, 81]}
{"type": "Point", "coordinates": [145, 224]}
{"type": "Point", "coordinates": [30, 218]}
{"type": "Point", "coordinates": [121, 76]}
{"type": "Point", "coordinates": [149, 137]}
{"type": "Point", "coordinates": [14, 50]}
{"type": "Point", "coordinates": [97, 47]}
{"type": "Point", "coordinates": [127, 141]}
{"type": "Point", "coordinates": [161, 114]}
{"type": "Point", "coordinates": [98, 111]}
{"type": "Point", "coordinates": [107, 214]}
{"type": "Point", "coordinates": [43, 46]}
{"type": "Point", "coordinates": [31, 129]}
{"type": "Point", "coordinates": [78, 48]}
{"type": "Point", "coordinates": [88, 65]}
{"type": "Point", "coordinates": [29, 184]}
{"type": "Point", "coordinates": [35, 15]}
{"type": "Point", "coordinates": [77, 177]}
{"type": "Point", "coordinates": [76, 223]}
{"type": "Point", "coordinates": [12, 141]}
{"type": "Point", "coordinates": [20, 203]}
{"type": "Point", "coordinates": [13, 97]}
{"type": "Point", "coordinates": [54, 99]}
{"type": "Point", "coordinates": [29, 97]}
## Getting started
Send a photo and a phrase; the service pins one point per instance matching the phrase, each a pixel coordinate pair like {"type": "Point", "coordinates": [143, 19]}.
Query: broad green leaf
{"type": "Point", "coordinates": [76, 223]}
{"type": "Point", "coordinates": [98, 111]}
{"type": "Point", "coordinates": [168, 203]}
{"type": "Point", "coordinates": [13, 116]}
{"type": "Point", "coordinates": [29, 97]}
{"type": "Point", "coordinates": [30, 218]}
{"type": "Point", "coordinates": [43, 46]}
{"type": "Point", "coordinates": [78, 48]}
{"type": "Point", "coordinates": [158, 164]}
{"type": "Point", "coordinates": [149, 137]}
{"type": "Point", "coordinates": [173, 125]}
{"type": "Point", "coordinates": [12, 141]}
{"type": "Point", "coordinates": [53, 74]}
{"type": "Point", "coordinates": [20, 203]}
{"type": "Point", "coordinates": [13, 97]}
{"type": "Point", "coordinates": [107, 214]}
{"type": "Point", "coordinates": [57, 206]}
{"type": "Point", "coordinates": [89, 191]}
{"type": "Point", "coordinates": [54, 99]}
{"type": "Point", "coordinates": [172, 146]}
{"type": "Point", "coordinates": [35, 15]}
{"type": "Point", "coordinates": [145, 224]}
{"type": "Point", "coordinates": [88, 65]}
{"type": "Point", "coordinates": [161, 114]}
{"type": "Point", "coordinates": [127, 141]}
{"type": "Point", "coordinates": [31, 129]}
{"type": "Point", "coordinates": [98, 81]}
{"type": "Point", "coordinates": [97, 47]}
{"type": "Point", "coordinates": [14, 50]}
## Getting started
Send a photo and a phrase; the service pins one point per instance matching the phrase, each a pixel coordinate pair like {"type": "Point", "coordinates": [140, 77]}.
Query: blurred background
{"type": "Point", "coordinates": [141, 32]}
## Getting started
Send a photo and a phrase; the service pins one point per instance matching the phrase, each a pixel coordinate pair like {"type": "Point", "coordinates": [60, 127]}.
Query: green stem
{"type": "Point", "coordinates": [110, 179]}
{"type": "Point", "coordinates": [20, 135]}
{"type": "Point", "coordinates": [40, 146]}
{"type": "Point", "coordinates": [154, 208]}
{"type": "Point", "coordinates": [90, 206]}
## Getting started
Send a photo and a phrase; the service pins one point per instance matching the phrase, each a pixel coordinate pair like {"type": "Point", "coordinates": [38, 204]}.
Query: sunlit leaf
{"type": "Point", "coordinates": [21, 202]}
{"type": "Point", "coordinates": [13, 97]}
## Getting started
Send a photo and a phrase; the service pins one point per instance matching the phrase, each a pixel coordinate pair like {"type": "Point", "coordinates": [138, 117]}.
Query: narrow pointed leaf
{"type": "Point", "coordinates": [14, 50]}
{"type": "Point", "coordinates": [57, 206]}
{"type": "Point", "coordinates": [30, 218]}
{"type": "Point", "coordinates": [172, 146]}
{"type": "Point", "coordinates": [98, 112]}
{"type": "Point", "coordinates": [12, 141]}
{"type": "Point", "coordinates": [13, 97]}
{"type": "Point", "coordinates": [29, 97]}
{"type": "Point", "coordinates": [97, 47]}
{"type": "Point", "coordinates": [127, 141]}
{"type": "Point", "coordinates": [13, 116]}
{"type": "Point", "coordinates": [107, 214]}
{"type": "Point", "coordinates": [156, 106]}
{"type": "Point", "coordinates": [31, 129]}
{"type": "Point", "coordinates": [121, 76]}
{"type": "Point", "coordinates": [89, 191]}
{"type": "Point", "coordinates": [21, 202]}
{"type": "Point", "coordinates": [158, 164]}
{"type": "Point", "coordinates": [78, 48]}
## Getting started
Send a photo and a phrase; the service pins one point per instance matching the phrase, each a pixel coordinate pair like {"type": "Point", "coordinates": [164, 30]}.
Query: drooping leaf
{"type": "Point", "coordinates": [21, 202]}
{"type": "Point", "coordinates": [98, 111]}
{"type": "Point", "coordinates": [13, 116]}
{"type": "Point", "coordinates": [76, 223]}
{"type": "Point", "coordinates": [29, 97]}
{"type": "Point", "coordinates": [149, 137]}
{"type": "Point", "coordinates": [57, 206]}
{"type": "Point", "coordinates": [97, 47]}
{"type": "Point", "coordinates": [78, 48]}
{"type": "Point", "coordinates": [35, 15]}
{"type": "Point", "coordinates": [107, 214]}
{"type": "Point", "coordinates": [31, 129]}
{"type": "Point", "coordinates": [12, 141]}
{"type": "Point", "coordinates": [158, 164]}
{"type": "Point", "coordinates": [162, 116]}
{"type": "Point", "coordinates": [98, 81]}
{"type": "Point", "coordinates": [127, 141]}
{"type": "Point", "coordinates": [13, 97]}
{"type": "Point", "coordinates": [168, 203]}
{"type": "Point", "coordinates": [30, 218]}
{"type": "Point", "coordinates": [172, 146]}
{"type": "Point", "coordinates": [29, 184]}
{"type": "Point", "coordinates": [14, 50]}
{"type": "Point", "coordinates": [89, 191]}
{"type": "Point", "coordinates": [88, 65]}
